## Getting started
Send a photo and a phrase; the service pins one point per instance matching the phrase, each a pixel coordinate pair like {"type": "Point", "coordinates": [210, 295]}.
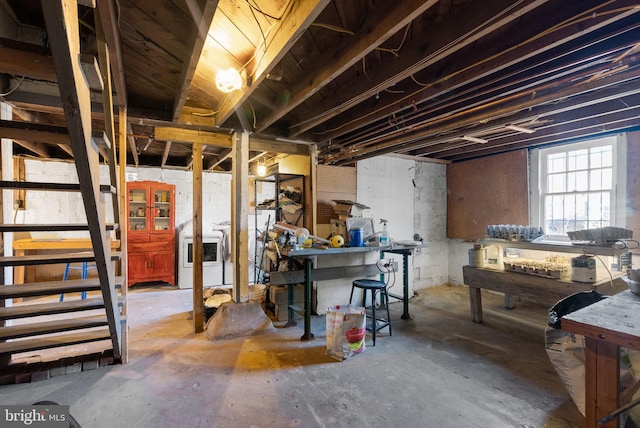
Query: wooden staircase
{"type": "Point", "coordinates": [41, 321]}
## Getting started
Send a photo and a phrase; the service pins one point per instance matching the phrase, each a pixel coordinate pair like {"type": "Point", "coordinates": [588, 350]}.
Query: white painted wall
{"type": "Point", "coordinates": [67, 207]}
{"type": "Point", "coordinates": [412, 196]}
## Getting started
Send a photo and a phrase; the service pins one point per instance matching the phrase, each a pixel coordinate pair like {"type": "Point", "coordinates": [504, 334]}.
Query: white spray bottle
{"type": "Point", "coordinates": [385, 240]}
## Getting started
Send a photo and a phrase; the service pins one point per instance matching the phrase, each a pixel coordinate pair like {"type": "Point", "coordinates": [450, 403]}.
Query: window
{"type": "Point", "coordinates": [579, 186]}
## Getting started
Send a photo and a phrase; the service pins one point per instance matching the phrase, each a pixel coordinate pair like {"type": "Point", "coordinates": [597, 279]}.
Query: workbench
{"type": "Point", "coordinates": [540, 289]}
{"type": "Point", "coordinates": [310, 274]}
{"type": "Point", "coordinates": [606, 326]}
{"type": "Point", "coordinates": [23, 247]}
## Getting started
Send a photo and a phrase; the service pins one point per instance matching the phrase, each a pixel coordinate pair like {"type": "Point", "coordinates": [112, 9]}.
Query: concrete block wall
{"type": "Point", "coordinates": [412, 196]}
{"type": "Point", "coordinates": [68, 207]}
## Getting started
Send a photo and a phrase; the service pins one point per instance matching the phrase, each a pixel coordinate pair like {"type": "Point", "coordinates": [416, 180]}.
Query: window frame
{"type": "Point", "coordinates": [537, 168]}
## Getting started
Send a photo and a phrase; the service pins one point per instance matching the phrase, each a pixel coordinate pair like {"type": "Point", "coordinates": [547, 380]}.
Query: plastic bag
{"type": "Point", "coordinates": [346, 331]}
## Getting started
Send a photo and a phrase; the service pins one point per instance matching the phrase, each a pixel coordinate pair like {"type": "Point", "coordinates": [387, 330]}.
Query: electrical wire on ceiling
{"type": "Point", "coordinates": [12, 90]}
{"type": "Point", "coordinates": [578, 18]}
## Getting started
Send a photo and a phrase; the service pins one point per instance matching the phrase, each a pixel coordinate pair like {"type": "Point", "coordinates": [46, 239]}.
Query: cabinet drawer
{"type": "Point", "coordinates": [150, 247]}
{"type": "Point", "coordinates": [167, 237]}
{"type": "Point", "coordinates": [137, 238]}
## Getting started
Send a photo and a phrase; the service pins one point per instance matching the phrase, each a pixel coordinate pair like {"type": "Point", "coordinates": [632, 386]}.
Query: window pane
{"type": "Point", "coordinates": [556, 163]}
{"type": "Point", "coordinates": [579, 185]}
{"type": "Point", "coordinates": [578, 159]}
{"type": "Point", "coordinates": [601, 179]}
{"type": "Point", "coordinates": [556, 183]}
{"type": "Point", "coordinates": [601, 156]}
{"type": "Point", "coordinates": [577, 181]}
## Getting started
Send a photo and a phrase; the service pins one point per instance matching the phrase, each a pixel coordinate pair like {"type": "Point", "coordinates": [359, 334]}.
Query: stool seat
{"type": "Point", "coordinates": [374, 287]}
{"type": "Point", "coordinates": [369, 284]}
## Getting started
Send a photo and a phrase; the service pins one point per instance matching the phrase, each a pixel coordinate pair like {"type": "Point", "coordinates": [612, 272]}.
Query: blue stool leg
{"type": "Point", "coordinates": [65, 276]}
{"type": "Point", "coordinates": [85, 275]}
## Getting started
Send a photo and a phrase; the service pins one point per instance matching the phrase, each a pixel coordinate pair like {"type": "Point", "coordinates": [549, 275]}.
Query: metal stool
{"type": "Point", "coordinates": [85, 274]}
{"type": "Point", "coordinates": [375, 287]}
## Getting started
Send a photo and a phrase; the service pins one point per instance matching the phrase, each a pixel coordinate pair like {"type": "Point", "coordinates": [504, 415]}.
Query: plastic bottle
{"type": "Point", "coordinates": [384, 235]}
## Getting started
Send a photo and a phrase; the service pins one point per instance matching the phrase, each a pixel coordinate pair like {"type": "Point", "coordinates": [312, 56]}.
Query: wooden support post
{"type": "Point", "coordinates": [240, 217]}
{"type": "Point", "coordinates": [198, 292]}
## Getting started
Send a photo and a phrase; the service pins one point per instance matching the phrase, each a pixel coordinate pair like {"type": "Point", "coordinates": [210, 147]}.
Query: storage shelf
{"type": "Point", "coordinates": [556, 246]}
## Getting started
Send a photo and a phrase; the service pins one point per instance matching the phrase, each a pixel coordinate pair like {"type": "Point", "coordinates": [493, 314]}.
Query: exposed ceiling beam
{"type": "Point", "coordinates": [466, 28]}
{"type": "Point", "coordinates": [163, 133]}
{"type": "Point", "coordinates": [289, 29]}
{"type": "Point", "coordinates": [370, 36]}
{"type": "Point", "coordinates": [202, 15]}
{"type": "Point", "coordinates": [132, 145]}
{"type": "Point", "coordinates": [567, 47]}
{"type": "Point", "coordinates": [40, 149]}
{"type": "Point", "coordinates": [107, 12]}
{"type": "Point", "coordinates": [165, 154]}
{"type": "Point", "coordinates": [417, 139]}
{"type": "Point", "coordinates": [22, 62]}
{"type": "Point", "coordinates": [34, 132]}
{"type": "Point", "coordinates": [261, 144]}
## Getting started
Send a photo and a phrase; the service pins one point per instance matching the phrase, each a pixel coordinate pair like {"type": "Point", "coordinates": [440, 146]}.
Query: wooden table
{"type": "Point", "coordinates": [606, 325]}
{"type": "Point", "coordinates": [22, 247]}
{"type": "Point", "coordinates": [536, 288]}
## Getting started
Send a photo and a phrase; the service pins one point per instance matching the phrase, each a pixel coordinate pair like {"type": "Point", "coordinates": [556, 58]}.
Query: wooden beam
{"type": "Point", "coordinates": [202, 13]}
{"type": "Point", "coordinates": [104, 76]}
{"type": "Point", "coordinates": [109, 17]}
{"type": "Point", "coordinates": [91, 71]}
{"type": "Point", "coordinates": [465, 28]}
{"type": "Point", "coordinates": [132, 145]}
{"type": "Point", "coordinates": [38, 148]}
{"type": "Point", "coordinates": [197, 117]}
{"type": "Point", "coordinates": [198, 290]}
{"type": "Point", "coordinates": [34, 132]}
{"type": "Point", "coordinates": [28, 64]}
{"type": "Point", "coordinates": [220, 160]}
{"type": "Point", "coordinates": [369, 37]}
{"type": "Point", "coordinates": [285, 34]}
{"type": "Point", "coordinates": [165, 154]}
{"type": "Point", "coordinates": [240, 217]}
{"type": "Point", "coordinates": [192, 136]}
{"type": "Point", "coordinates": [264, 145]}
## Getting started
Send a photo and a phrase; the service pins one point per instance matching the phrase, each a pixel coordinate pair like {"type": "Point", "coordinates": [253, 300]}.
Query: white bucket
{"type": "Point", "coordinates": [477, 257]}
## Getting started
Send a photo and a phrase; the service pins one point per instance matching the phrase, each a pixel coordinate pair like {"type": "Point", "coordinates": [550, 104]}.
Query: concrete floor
{"type": "Point", "coordinates": [437, 370]}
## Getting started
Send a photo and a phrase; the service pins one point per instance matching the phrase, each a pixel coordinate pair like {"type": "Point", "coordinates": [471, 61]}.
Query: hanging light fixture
{"type": "Point", "coordinates": [261, 169]}
{"type": "Point", "coordinates": [228, 80]}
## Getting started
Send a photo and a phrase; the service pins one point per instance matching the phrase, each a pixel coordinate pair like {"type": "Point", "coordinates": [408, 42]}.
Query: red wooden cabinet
{"type": "Point", "coordinates": [150, 232]}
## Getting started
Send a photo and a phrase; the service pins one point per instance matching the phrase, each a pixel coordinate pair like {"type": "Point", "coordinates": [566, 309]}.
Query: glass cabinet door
{"type": "Point", "coordinates": [137, 209]}
{"type": "Point", "coordinates": [162, 209]}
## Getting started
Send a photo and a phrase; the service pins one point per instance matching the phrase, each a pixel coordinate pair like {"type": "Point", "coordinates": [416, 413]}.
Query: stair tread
{"type": "Point", "coordinates": [64, 187]}
{"type": "Point", "coordinates": [39, 259]}
{"type": "Point", "coordinates": [52, 308]}
{"type": "Point", "coordinates": [63, 227]}
{"type": "Point", "coordinates": [54, 341]}
{"type": "Point", "coordinates": [53, 287]}
{"type": "Point", "coordinates": [56, 326]}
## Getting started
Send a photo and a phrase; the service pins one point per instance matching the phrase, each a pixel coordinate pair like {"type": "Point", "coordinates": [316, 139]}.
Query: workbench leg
{"type": "Point", "coordinates": [602, 382]}
{"type": "Point", "coordinates": [405, 286]}
{"type": "Point", "coordinates": [307, 300]}
{"type": "Point", "coordinates": [290, 312]}
{"type": "Point", "coordinates": [509, 301]}
{"type": "Point", "coordinates": [475, 298]}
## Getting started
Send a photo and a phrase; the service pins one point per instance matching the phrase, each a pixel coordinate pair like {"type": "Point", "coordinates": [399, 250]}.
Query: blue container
{"type": "Point", "coordinates": [356, 238]}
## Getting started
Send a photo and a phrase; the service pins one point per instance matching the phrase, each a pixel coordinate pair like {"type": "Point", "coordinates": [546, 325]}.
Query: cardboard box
{"type": "Point", "coordinates": [278, 294]}
{"type": "Point", "coordinates": [349, 208]}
